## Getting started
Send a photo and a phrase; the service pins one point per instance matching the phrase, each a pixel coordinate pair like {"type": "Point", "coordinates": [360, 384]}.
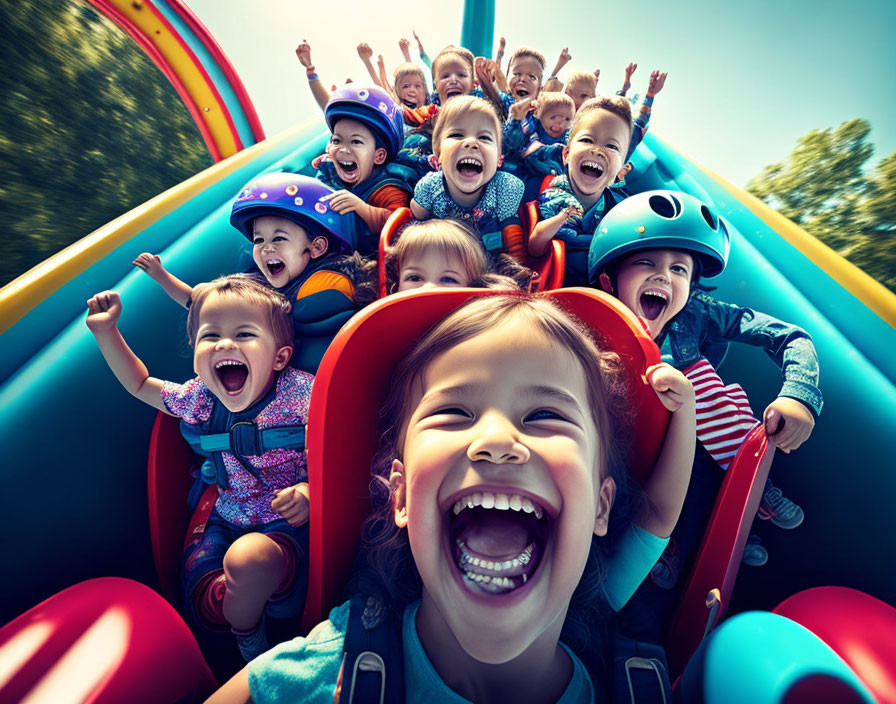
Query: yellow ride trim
{"type": "Point", "coordinates": [872, 293]}
{"type": "Point", "coordinates": [182, 64]}
{"type": "Point", "coordinates": [26, 292]}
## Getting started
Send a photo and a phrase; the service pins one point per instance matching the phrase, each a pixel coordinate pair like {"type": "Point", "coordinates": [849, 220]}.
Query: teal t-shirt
{"type": "Point", "coordinates": [423, 685]}
{"type": "Point", "coordinates": [306, 669]}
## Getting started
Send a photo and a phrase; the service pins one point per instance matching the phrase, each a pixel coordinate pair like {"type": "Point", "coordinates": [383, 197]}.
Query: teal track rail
{"type": "Point", "coordinates": [74, 469]}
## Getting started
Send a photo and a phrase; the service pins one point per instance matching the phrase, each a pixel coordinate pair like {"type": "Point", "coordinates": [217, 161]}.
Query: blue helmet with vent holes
{"type": "Point", "coordinates": [661, 220]}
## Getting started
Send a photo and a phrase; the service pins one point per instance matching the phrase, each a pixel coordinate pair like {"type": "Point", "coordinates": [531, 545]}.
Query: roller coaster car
{"type": "Point", "coordinates": [148, 653]}
{"type": "Point", "coordinates": [549, 267]}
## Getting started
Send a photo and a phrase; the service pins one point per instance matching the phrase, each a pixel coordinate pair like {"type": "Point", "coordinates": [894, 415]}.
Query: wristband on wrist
{"type": "Point", "coordinates": [312, 76]}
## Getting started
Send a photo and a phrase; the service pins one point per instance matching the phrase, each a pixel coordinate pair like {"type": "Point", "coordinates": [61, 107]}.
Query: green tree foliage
{"type": "Point", "coordinates": [824, 186]}
{"type": "Point", "coordinates": [89, 128]}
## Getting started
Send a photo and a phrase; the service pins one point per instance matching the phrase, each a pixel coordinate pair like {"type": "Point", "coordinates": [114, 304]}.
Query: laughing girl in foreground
{"type": "Point", "coordinates": [499, 466]}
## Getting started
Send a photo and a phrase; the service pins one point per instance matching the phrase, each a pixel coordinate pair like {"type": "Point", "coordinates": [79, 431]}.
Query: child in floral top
{"type": "Point", "coordinates": [249, 557]}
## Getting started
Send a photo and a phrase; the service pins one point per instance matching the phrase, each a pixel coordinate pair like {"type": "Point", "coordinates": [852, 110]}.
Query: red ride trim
{"type": "Point", "coordinates": [201, 31]}
{"type": "Point", "coordinates": [398, 219]}
{"type": "Point", "coordinates": [238, 143]}
{"type": "Point", "coordinates": [135, 33]}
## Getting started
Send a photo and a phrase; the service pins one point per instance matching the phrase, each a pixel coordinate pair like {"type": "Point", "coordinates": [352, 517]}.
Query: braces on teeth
{"type": "Point", "coordinates": [466, 559]}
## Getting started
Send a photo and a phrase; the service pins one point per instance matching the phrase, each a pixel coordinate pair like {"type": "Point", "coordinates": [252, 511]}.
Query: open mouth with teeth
{"type": "Point", "coordinates": [497, 540]}
{"type": "Point", "coordinates": [521, 93]}
{"type": "Point", "coordinates": [232, 375]}
{"type": "Point", "coordinates": [469, 167]}
{"type": "Point", "coordinates": [349, 168]}
{"type": "Point", "coordinates": [592, 169]}
{"type": "Point", "coordinates": [653, 303]}
{"type": "Point", "coordinates": [275, 267]}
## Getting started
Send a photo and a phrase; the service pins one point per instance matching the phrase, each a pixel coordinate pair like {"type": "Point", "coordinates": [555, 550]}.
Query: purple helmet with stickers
{"type": "Point", "coordinates": [375, 108]}
{"type": "Point", "coordinates": [297, 198]}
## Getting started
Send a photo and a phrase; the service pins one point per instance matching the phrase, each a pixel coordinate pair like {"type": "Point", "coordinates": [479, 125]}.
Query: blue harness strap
{"type": "Point", "coordinates": [241, 436]}
{"type": "Point", "coordinates": [244, 438]}
{"type": "Point", "coordinates": [373, 666]}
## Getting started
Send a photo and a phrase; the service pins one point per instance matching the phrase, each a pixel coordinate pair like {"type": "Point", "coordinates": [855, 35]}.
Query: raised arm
{"type": "Point", "coordinates": [405, 46]}
{"type": "Point", "coordinates": [562, 60]}
{"type": "Point", "coordinates": [485, 74]}
{"type": "Point", "coordinates": [500, 78]}
{"type": "Point", "coordinates": [639, 129]}
{"type": "Point", "coordinates": [627, 81]}
{"type": "Point", "coordinates": [103, 312]}
{"type": "Point", "coordinates": [321, 96]}
{"type": "Point", "coordinates": [423, 57]}
{"type": "Point", "coordinates": [547, 229]}
{"type": "Point", "coordinates": [366, 54]}
{"type": "Point", "coordinates": [176, 289]}
{"type": "Point", "coordinates": [384, 79]}
{"type": "Point", "coordinates": [667, 485]}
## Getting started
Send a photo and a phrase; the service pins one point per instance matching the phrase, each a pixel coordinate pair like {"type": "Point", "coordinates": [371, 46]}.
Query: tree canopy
{"type": "Point", "coordinates": [826, 187]}
{"type": "Point", "coordinates": [89, 128]}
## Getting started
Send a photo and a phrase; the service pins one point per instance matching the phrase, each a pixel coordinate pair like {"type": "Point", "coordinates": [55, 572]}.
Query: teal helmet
{"type": "Point", "coordinates": [661, 220]}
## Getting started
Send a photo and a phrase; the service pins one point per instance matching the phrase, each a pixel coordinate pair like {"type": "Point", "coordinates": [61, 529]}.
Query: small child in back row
{"type": "Point", "coordinates": [468, 187]}
{"type": "Point", "coordinates": [527, 132]}
{"type": "Point", "coordinates": [250, 557]}
{"type": "Point", "coordinates": [367, 132]}
{"type": "Point", "coordinates": [577, 200]}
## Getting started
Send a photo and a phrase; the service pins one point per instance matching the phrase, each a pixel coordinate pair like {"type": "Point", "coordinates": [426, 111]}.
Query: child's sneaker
{"type": "Point", "coordinates": [252, 643]}
{"type": "Point", "coordinates": [778, 509]}
{"type": "Point", "coordinates": [665, 572]}
{"type": "Point", "coordinates": [754, 554]}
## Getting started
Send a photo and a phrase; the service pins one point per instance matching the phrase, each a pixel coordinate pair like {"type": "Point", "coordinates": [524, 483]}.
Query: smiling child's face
{"type": "Point", "coordinates": [469, 152]}
{"type": "Point", "coordinates": [596, 154]}
{"type": "Point", "coordinates": [411, 90]}
{"type": "Point", "coordinates": [655, 284]}
{"type": "Point", "coordinates": [453, 77]}
{"type": "Point", "coordinates": [524, 79]}
{"type": "Point", "coordinates": [579, 92]}
{"type": "Point", "coordinates": [235, 354]}
{"type": "Point", "coordinates": [353, 150]}
{"type": "Point", "coordinates": [500, 490]}
{"type": "Point", "coordinates": [281, 248]}
{"type": "Point", "coordinates": [556, 120]}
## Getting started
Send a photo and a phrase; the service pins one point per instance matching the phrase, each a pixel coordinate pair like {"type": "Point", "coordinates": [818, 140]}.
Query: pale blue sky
{"type": "Point", "coordinates": [745, 79]}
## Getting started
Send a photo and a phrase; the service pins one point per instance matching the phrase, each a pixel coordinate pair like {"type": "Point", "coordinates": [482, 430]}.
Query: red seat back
{"type": "Point", "coordinates": [550, 266]}
{"type": "Point", "coordinates": [718, 559]}
{"type": "Point", "coordinates": [168, 480]}
{"type": "Point", "coordinates": [398, 219]}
